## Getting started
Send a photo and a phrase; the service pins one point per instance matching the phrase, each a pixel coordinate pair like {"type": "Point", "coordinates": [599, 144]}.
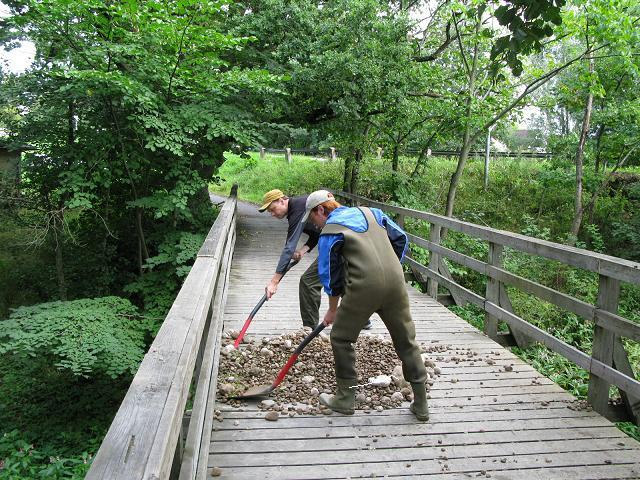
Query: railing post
{"type": "Point", "coordinates": [287, 154]}
{"type": "Point", "coordinates": [262, 153]}
{"type": "Point", "coordinates": [493, 290]}
{"type": "Point", "coordinates": [434, 261]}
{"type": "Point", "coordinates": [333, 153]}
{"type": "Point", "coordinates": [603, 344]}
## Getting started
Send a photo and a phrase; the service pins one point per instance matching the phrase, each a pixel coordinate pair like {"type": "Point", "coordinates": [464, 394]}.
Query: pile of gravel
{"type": "Point", "coordinates": [259, 361]}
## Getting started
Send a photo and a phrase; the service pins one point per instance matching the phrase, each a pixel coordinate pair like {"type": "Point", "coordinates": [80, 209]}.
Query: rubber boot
{"type": "Point", "coordinates": [344, 401]}
{"type": "Point", "coordinates": [419, 405]}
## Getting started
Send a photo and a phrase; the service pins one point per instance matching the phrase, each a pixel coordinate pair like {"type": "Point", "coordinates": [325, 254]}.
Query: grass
{"type": "Point", "coordinates": [255, 177]}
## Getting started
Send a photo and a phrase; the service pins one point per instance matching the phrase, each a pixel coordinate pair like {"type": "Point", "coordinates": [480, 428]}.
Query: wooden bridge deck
{"type": "Point", "coordinates": [485, 422]}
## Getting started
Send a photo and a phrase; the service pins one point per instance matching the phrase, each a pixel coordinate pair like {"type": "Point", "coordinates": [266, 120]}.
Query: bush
{"type": "Point", "coordinates": [21, 461]}
{"type": "Point", "coordinates": [86, 337]}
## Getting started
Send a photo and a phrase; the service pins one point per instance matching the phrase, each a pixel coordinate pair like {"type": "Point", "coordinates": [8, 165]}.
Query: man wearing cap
{"type": "Point", "coordinates": [310, 289]}
{"type": "Point", "coordinates": [359, 255]}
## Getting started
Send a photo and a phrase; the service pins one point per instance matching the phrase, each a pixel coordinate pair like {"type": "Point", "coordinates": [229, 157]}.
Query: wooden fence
{"type": "Point", "coordinates": [150, 436]}
{"type": "Point", "coordinates": [607, 365]}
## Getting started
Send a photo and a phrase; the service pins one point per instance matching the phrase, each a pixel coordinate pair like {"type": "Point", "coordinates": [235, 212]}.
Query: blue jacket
{"type": "Point", "coordinates": [330, 262]}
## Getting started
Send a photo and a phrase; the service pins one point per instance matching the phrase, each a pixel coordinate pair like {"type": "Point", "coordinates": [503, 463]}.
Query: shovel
{"type": "Point", "coordinates": [264, 390]}
{"type": "Point", "coordinates": [247, 322]}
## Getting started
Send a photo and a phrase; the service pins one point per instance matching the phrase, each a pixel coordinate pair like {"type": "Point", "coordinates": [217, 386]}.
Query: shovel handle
{"type": "Point", "coordinates": [247, 322]}
{"type": "Point", "coordinates": [294, 356]}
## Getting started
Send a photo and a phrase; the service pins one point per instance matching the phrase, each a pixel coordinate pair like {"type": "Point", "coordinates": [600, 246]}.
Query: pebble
{"type": "Point", "coordinates": [258, 361]}
{"type": "Point", "coordinates": [272, 416]}
{"type": "Point", "coordinates": [216, 472]}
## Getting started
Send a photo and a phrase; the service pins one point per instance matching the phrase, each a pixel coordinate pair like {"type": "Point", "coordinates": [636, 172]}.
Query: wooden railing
{"type": "Point", "coordinates": [608, 363]}
{"type": "Point", "coordinates": [147, 439]}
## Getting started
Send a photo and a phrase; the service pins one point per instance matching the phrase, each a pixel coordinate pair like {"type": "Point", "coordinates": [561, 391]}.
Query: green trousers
{"type": "Point", "coordinates": [309, 292]}
{"type": "Point", "coordinates": [393, 308]}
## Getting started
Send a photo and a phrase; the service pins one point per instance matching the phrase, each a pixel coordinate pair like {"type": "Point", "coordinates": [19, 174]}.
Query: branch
{"type": "Point", "coordinates": [180, 55]}
{"type": "Point", "coordinates": [464, 57]}
{"type": "Point", "coordinates": [531, 87]}
{"type": "Point", "coordinates": [440, 49]}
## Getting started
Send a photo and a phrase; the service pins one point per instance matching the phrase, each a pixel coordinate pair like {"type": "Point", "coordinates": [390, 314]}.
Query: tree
{"type": "Point", "coordinates": [130, 107]}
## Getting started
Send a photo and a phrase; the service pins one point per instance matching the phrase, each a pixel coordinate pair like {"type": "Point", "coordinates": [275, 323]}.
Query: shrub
{"type": "Point", "coordinates": [86, 337]}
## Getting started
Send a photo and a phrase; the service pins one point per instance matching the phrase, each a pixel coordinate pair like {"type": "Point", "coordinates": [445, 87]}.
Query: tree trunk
{"type": "Point", "coordinates": [466, 139]}
{"type": "Point", "coordinates": [395, 158]}
{"type": "Point", "coordinates": [598, 147]}
{"type": "Point", "coordinates": [346, 179]}
{"type": "Point", "coordinates": [578, 209]}
{"type": "Point", "coordinates": [455, 179]}
{"type": "Point", "coordinates": [143, 245]}
{"type": "Point", "coordinates": [62, 284]}
{"type": "Point", "coordinates": [419, 163]}
{"type": "Point", "coordinates": [355, 171]}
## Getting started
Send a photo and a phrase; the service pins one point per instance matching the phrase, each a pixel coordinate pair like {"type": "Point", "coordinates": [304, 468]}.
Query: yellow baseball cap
{"type": "Point", "coordinates": [269, 197]}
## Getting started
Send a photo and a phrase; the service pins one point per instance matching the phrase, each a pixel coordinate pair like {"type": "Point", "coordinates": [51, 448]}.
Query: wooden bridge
{"type": "Point", "coordinates": [487, 421]}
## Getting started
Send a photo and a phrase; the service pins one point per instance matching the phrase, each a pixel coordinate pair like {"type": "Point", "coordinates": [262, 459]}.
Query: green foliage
{"type": "Point", "coordinates": [529, 22]}
{"type": "Point", "coordinates": [630, 429]}
{"type": "Point", "coordinates": [562, 371]}
{"type": "Point", "coordinates": [303, 175]}
{"type": "Point", "coordinates": [86, 337]}
{"type": "Point", "coordinates": [165, 272]}
{"type": "Point", "coordinates": [21, 461]}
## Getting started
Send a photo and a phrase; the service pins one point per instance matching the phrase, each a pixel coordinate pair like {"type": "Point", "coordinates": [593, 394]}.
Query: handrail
{"type": "Point", "coordinates": [144, 440]}
{"type": "Point", "coordinates": [613, 267]}
{"type": "Point", "coordinates": [608, 363]}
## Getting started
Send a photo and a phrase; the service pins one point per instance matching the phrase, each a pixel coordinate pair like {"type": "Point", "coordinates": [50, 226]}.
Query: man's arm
{"type": "Point", "coordinates": [330, 316]}
{"type": "Point", "coordinates": [287, 254]}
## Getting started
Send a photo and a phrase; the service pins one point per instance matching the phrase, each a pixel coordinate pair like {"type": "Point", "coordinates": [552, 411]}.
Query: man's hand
{"type": "Point", "coordinates": [271, 289]}
{"type": "Point", "coordinates": [298, 254]}
{"type": "Point", "coordinates": [330, 317]}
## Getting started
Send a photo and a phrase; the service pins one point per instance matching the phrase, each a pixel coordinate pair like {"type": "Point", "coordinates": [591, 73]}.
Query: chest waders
{"type": "Point", "coordinates": [374, 283]}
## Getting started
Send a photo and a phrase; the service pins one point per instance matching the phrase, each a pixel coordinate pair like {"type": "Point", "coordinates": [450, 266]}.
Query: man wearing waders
{"type": "Point", "coordinates": [359, 254]}
{"type": "Point", "coordinates": [309, 289]}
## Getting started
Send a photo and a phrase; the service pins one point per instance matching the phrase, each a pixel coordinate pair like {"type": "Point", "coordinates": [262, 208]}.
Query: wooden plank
{"type": "Point", "coordinates": [621, 362]}
{"type": "Point", "coordinates": [432, 427]}
{"type": "Point", "coordinates": [444, 271]}
{"type": "Point", "coordinates": [369, 451]}
{"type": "Point", "coordinates": [620, 269]}
{"type": "Point", "coordinates": [493, 291]}
{"type": "Point", "coordinates": [617, 324]}
{"type": "Point", "coordinates": [592, 472]}
{"type": "Point", "coordinates": [501, 439]}
{"type": "Point", "coordinates": [434, 262]}
{"type": "Point", "coordinates": [206, 431]}
{"type": "Point", "coordinates": [602, 350]}
{"type": "Point", "coordinates": [427, 465]}
{"type": "Point", "coordinates": [199, 431]}
{"type": "Point", "coordinates": [465, 294]}
{"type": "Point", "coordinates": [398, 416]}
